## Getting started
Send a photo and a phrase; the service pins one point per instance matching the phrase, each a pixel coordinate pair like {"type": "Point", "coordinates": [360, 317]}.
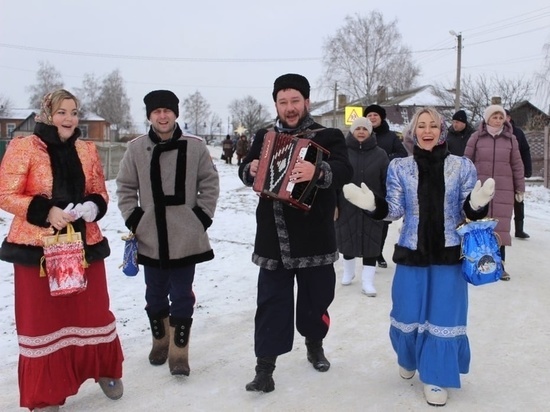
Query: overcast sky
{"type": "Point", "coordinates": [228, 50]}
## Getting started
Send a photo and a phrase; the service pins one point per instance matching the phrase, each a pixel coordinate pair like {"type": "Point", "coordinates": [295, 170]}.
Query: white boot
{"type": "Point", "coordinates": [368, 281]}
{"type": "Point", "coordinates": [435, 395]}
{"type": "Point", "coordinates": [349, 272]}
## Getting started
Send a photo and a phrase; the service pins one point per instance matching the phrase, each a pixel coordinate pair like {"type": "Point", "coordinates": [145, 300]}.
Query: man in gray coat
{"type": "Point", "coordinates": [167, 190]}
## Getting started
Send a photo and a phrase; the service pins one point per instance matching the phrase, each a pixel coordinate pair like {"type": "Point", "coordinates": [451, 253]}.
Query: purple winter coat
{"type": "Point", "coordinates": [498, 157]}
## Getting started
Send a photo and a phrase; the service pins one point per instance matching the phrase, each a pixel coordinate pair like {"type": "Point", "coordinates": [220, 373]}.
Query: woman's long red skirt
{"type": "Point", "coordinates": [63, 341]}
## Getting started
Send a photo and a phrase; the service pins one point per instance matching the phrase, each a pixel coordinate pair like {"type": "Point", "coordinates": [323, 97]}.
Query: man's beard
{"type": "Point", "coordinates": [300, 120]}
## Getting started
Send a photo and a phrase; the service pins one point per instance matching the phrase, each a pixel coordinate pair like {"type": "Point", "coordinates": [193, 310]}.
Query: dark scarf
{"type": "Point", "coordinates": [382, 129]}
{"type": "Point", "coordinates": [68, 176]}
{"type": "Point", "coordinates": [431, 199]}
{"type": "Point", "coordinates": [306, 122]}
{"type": "Point", "coordinates": [157, 140]}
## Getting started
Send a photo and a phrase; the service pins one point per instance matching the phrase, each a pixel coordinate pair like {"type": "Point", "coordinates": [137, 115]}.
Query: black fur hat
{"type": "Point", "coordinates": [291, 81]}
{"type": "Point", "coordinates": [376, 109]}
{"type": "Point", "coordinates": [161, 99]}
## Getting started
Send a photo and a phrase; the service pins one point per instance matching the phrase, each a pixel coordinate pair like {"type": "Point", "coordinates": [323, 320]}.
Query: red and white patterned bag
{"type": "Point", "coordinates": [65, 263]}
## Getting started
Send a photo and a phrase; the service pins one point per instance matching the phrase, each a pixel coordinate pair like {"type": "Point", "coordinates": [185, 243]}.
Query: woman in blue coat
{"type": "Point", "coordinates": [433, 191]}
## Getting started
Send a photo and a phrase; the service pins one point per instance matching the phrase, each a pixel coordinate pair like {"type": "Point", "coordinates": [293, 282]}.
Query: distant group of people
{"type": "Point", "coordinates": [167, 190]}
{"type": "Point", "coordinates": [240, 147]}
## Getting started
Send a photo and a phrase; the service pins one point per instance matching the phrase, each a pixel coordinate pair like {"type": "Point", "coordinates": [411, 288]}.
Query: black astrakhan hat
{"type": "Point", "coordinates": [161, 99]}
{"type": "Point", "coordinates": [291, 81]}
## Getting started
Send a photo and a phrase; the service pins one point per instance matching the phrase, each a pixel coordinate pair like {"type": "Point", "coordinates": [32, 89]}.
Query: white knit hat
{"type": "Point", "coordinates": [361, 122]}
{"type": "Point", "coordinates": [491, 110]}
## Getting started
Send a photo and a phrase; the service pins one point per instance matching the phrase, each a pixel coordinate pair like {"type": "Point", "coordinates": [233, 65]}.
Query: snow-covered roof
{"type": "Point", "coordinates": [18, 114]}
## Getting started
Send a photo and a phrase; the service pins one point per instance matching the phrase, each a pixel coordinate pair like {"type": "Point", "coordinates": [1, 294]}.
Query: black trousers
{"type": "Point", "coordinates": [274, 320]}
{"type": "Point", "coordinates": [170, 290]}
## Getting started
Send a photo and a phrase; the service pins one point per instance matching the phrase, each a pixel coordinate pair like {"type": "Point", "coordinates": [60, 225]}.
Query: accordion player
{"type": "Point", "coordinates": [279, 154]}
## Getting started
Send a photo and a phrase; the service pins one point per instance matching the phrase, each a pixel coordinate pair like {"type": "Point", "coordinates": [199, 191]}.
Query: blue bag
{"type": "Point", "coordinates": [130, 259]}
{"type": "Point", "coordinates": [480, 251]}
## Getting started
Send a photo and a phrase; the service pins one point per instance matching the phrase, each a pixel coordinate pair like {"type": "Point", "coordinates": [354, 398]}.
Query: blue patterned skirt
{"type": "Point", "coordinates": [428, 322]}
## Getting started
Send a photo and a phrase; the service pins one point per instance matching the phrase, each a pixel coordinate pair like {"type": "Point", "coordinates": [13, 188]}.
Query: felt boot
{"type": "Point", "coordinates": [367, 278]}
{"type": "Point", "coordinates": [349, 272]}
{"type": "Point", "coordinates": [161, 338]}
{"type": "Point", "coordinates": [178, 351]}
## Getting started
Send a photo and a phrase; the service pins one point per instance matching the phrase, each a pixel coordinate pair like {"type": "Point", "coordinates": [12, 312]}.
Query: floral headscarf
{"type": "Point", "coordinates": [45, 115]}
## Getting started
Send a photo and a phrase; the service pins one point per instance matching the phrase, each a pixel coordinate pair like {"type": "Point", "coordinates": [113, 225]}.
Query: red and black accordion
{"type": "Point", "coordinates": [280, 152]}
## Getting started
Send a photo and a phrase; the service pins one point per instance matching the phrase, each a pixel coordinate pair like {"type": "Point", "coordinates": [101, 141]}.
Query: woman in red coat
{"type": "Point", "coordinates": [47, 180]}
{"type": "Point", "coordinates": [495, 152]}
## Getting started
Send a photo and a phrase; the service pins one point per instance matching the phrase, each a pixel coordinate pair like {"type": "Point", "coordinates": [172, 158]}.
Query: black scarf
{"type": "Point", "coordinates": [68, 177]}
{"type": "Point", "coordinates": [382, 129]}
{"type": "Point", "coordinates": [157, 140]}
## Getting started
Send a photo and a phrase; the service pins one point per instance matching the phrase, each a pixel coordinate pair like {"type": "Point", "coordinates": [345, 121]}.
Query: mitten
{"type": "Point", "coordinates": [87, 210]}
{"type": "Point", "coordinates": [519, 197]}
{"type": "Point", "coordinates": [482, 194]}
{"type": "Point", "coordinates": [361, 197]}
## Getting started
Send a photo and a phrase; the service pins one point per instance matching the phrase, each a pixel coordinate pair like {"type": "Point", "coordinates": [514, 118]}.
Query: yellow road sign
{"type": "Point", "coordinates": [352, 113]}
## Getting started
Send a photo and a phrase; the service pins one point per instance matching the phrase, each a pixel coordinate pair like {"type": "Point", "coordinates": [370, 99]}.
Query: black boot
{"type": "Point", "coordinates": [316, 355]}
{"type": "Point", "coordinates": [519, 230]}
{"type": "Point", "coordinates": [263, 381]}
{"type": "Point", "coordinates": [382, 262]}
{"type": "Point", "coordinates": [161, 337]}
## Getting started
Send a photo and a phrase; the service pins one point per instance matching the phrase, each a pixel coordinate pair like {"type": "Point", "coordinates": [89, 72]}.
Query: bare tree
{"type": "Point", "coordinates": [365, 54]}
{"type": "Point", "coordinates": [113, 104]}
{"type": "Point", "coordinates": [214, 127]}
{"type": "Point", "coordinates": [48, 79]}
{"type": "Point", "coordinates": [249, 113]}
{"type": "Point", "coordinates": [5, 106]}
{"type": "Point", "coordinates": [476, 93]}
{"type": "Point", "coordinates": [196, 111]}
{"type": "Point", "coordinates": [89, 93]}
{"type": "Point", "coordinates": [542, 80]}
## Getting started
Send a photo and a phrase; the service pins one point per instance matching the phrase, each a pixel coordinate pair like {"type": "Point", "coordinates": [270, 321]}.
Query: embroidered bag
{"type": "Point", "coordinates": [64, 262]}
{"type": "Point", "coordinates": [480, 251]}
{"type": "Point", "coordinates": [130, 259]}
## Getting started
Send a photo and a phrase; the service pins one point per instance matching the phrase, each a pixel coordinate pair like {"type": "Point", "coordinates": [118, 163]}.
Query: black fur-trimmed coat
{"type": "Point", "coordinates": [292, 237]}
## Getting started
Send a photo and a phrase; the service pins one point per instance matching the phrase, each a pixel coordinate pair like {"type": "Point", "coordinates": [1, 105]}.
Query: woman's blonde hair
{"type": "Point", "coordinates": [58, 96]}
{"type": "Point", "coordinates": [410, 132]}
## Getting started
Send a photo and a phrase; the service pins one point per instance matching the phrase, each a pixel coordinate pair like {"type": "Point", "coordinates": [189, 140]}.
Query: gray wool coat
{"type": "Point", "coordinates": [167, 194]}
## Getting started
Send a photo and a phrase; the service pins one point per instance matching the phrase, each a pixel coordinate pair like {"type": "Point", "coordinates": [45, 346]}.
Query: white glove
{"type": "Point", "coordinates": [519, 197]}
{"type": "Point", "coordinates": [69, 208]}
{"type": "Point", "coordinates": [361, 197]}
{"type": "Point", "coordinates": [482, 194]}
{"type": "Point", "coordinates": [87, 211]}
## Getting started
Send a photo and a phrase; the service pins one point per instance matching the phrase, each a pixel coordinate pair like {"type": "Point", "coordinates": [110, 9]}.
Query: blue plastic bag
{"type": "Point", "coordinates": [130, 259]}
{"type": "Point", "coordinates": [480, 252]}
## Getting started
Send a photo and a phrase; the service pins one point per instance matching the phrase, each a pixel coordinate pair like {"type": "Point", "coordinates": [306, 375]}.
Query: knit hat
{"type": "Point", "coordinates": [164, 99]}
{"type": "Point", "coordinates": [491, 110]}
{"type": "Point", "coordinates": [460, 116]}
{"type": "Point", "coordinates": [291, 81]}
{"type": "Point", "coordinates": [376, 109]}
{"type": "Point", "coordinates": [361, 122]}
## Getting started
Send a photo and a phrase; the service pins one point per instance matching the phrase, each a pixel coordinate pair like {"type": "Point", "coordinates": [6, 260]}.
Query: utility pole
{"type": "Point", "coordinates": [334, 107]}
{"type": "Point", "coordinates": [458, 66]}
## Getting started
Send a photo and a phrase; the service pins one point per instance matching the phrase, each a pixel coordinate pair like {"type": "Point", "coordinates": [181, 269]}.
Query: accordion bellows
{"type": "Point", "coordinates": [279, 154]}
